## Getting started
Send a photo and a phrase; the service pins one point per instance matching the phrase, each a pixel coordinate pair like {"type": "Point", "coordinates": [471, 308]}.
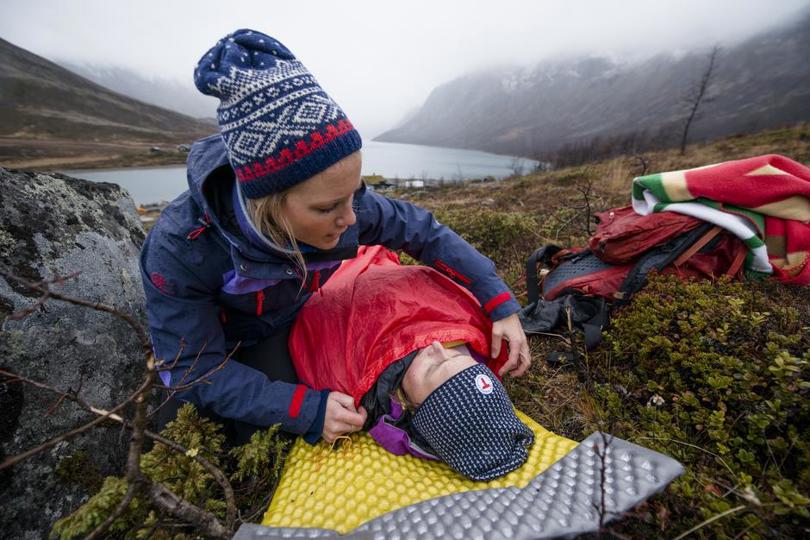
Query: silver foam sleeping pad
{"type": "Point", "coordinates": [563, 501]}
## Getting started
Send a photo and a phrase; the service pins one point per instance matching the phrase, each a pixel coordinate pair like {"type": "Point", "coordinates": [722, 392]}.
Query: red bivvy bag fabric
{"type": "Point", "coordinates": [372, 312]}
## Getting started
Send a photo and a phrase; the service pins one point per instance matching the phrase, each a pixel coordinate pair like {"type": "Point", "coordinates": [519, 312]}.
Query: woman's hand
{"type": "Point", "coordinates": [341, 417]}
{"type": "Point", "coordinates": [520, 359]}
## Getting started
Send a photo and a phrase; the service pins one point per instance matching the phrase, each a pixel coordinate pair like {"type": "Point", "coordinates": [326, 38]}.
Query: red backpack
{"type": "Point", "coordinates": [626, 247]}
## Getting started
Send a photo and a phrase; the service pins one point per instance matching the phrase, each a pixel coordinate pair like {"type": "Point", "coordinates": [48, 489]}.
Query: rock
{"type": "Point", "coordinates": [54, 223]}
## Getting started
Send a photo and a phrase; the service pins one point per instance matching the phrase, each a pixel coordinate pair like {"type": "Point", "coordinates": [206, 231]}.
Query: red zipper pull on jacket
{"type": "Point", "coordinates": [206, 222]}
{"type": "Point", "coordinates": [316, 281]}
{"type": "Point", "coordinates": [259, 301]}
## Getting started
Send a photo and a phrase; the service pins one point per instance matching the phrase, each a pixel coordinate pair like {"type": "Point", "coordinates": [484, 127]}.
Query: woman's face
{"type": "Point", "coordinates": [431, 367]}
{"type": "Point", "coordinates": [319, 209]}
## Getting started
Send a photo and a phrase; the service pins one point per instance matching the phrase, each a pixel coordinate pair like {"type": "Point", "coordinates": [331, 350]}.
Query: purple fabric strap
{"type": "Point", "coordinates": [396, 440]}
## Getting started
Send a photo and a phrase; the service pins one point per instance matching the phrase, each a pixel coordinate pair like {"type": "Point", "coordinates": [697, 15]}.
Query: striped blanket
{"type": "Point", "coordinates": [764, 200]}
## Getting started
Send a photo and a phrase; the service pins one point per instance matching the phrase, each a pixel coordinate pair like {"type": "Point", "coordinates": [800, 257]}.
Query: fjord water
{"type": "Point", "coordinates": [390, 160]}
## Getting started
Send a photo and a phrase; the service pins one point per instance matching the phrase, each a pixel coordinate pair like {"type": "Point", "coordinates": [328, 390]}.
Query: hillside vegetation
{"type": "Point", "coordinates": [712, 374]}
{"type": "Point", "coordinates": [50, 116]}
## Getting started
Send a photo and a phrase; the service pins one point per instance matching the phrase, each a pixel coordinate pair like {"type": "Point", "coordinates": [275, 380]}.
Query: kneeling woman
{"type": "Point", "coordinates": [412, 348]}
{"type": "Point", "coordinates": [275, 203]}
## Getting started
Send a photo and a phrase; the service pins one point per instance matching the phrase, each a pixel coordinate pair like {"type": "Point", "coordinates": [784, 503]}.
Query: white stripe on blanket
{"type": "Point", "coordinates": [736, 225]}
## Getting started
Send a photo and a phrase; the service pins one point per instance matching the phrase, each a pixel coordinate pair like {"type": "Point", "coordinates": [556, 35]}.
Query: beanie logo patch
{"type": "Point", "coordinates": [483, 383]}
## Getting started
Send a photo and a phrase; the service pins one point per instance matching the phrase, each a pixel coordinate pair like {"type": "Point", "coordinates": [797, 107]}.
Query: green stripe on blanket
{"type": "Point", "coordinates": [652, 182]}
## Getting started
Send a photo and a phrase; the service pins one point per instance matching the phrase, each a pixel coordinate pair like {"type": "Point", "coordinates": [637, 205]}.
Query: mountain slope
{"type": "Point", "coordinates": [39, 99]}
{"type": "Point", "coordinates": [762, 82]}
{"type": "Point", "coordinates": [166, 93]}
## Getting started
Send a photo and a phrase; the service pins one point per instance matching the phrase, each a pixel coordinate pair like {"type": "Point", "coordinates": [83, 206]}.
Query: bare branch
{"type": "Point", "coordinates": [213, 470]}
{"type": "Point", "coordinates": [205, 376]}
{"type": "Point", "coordinates": [586, 189]}
{"type": "Point", "coordinates": [13, 460]}
{"type": "Point", "coordinates": [193, 365]}
{"type": "Point", "coordinates": [698, 95]}
{"type": "Point", "coordinates": [135, 478]}
{"type": "Point", "coordinates": [160, 365]}
{"type": "Point", "coordinates": [205, 522]}
{"type": "Point", "coordinates": [644, 162]}
{"type": "Point", "coordinates": [99, 531]}
{"type": "Point", "coordinates": [23, 313]}
{"type": "Point", "coordinates": [44, 288]}
{"type": "Point", "coordinates": [161, 496]}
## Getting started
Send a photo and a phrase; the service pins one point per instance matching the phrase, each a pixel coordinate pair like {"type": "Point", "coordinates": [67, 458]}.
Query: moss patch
{"type": "Point", "coordinates": [79, 469]}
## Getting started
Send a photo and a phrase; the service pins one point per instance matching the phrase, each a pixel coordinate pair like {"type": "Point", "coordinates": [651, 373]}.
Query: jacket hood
{"type": "Point", "coordinates": [210, 183]}
{"type": "Point", "coordinates": [206, 156]}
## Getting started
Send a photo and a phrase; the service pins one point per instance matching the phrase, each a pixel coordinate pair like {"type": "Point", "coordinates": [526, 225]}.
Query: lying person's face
{"type": "Point", "coordinates": [431, 367]}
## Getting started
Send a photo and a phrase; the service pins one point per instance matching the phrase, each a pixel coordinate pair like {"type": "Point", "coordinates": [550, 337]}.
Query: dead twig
{"type": "Point", "coordinates": [163, 498]}
{"type": "Point", "coordinates": [40, 303]}
{"type": "Point", "coordinates": [13, 460]}
{"type": "Point", "coordinates": [160, 365]}
{"type": "Point", "coordinates": [586, 190]}
{"type": "Point", "coordinates": [44, 288]}
{"type": "Point", "coordinates": [205, 522]}
{"type": "Point", "coordinates": [172, 390]}
{"type": "Point", "coordinates": [213, 470]}
{"type": "Point", "coordinates": [720, 459]}
{"type": "Point", "coordinates": [107, 523]}
{"type": "Point", "coordinates": [203, 379]}
{"type": "Point", "coordinates": [710, 520]}
{"type": "Point", "coordinates": [601, 453]}
{"type": "Point", "coordinates": [644, 162]}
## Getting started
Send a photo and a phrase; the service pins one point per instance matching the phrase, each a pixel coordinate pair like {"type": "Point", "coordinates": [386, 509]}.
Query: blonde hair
{"type": "Point", "coordinates": [402, 399]}
{"type": "Point", "coordinates": [267, 216]}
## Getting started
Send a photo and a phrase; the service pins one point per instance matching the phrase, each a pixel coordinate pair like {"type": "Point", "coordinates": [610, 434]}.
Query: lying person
{"type": "Point", "coordinates": [412, 349]}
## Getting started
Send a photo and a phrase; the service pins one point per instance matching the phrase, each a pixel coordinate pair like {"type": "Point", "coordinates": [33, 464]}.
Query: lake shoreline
{"type": "Point", "coordinates": [93, 163]}
{"type": "Point", "coordinates": [50, 154]}
{"type": "Point", "coordinates": [162, 177]}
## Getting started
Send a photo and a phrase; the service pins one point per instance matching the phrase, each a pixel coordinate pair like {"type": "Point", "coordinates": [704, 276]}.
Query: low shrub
{"type": "Point", "coordinates": [495, 234]}
{"type": "Point", "coordinates": [253, 470]}
{"type": "Point", "coordinates": [716, 376]}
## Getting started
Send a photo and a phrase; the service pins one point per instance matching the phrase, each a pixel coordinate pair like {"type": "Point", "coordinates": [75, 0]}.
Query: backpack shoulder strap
{"type": "Point", "coordinates": [661, 257]}
{"type": "Point", "coordinates": [544, 255]}
{"type": "Point", "coordinates": [694, 248]}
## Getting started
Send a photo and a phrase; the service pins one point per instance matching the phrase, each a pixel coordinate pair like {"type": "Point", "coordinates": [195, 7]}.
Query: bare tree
{"type": "Point", "coordinates": [643, 163]}
{"type": "Point", "coordinates": [516, 166]}
{"type": "Point", "coordinates": [697, 95]}
{"type": "Point", "coordinates": [138, 484]}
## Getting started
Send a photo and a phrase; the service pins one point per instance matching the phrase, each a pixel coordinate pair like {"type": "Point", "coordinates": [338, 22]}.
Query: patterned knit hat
{"type": "Point", "coordinates": [469, 423]}
{"type": "Point", "coordinates": [278, 124]}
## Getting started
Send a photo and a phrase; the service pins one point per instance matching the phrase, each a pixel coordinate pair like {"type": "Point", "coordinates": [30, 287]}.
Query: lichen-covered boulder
{"type": "Point", "coordinates": [51, 223]}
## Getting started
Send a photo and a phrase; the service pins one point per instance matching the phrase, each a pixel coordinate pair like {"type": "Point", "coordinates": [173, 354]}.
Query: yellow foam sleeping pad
{"type": "Point", "coordinates": [359, 480]}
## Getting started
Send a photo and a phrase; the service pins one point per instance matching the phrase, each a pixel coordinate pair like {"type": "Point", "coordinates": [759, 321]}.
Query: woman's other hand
{"type": "Point", "coordinates": [510, 330]}
{"type": "Point", "coordinates": [341, 416]}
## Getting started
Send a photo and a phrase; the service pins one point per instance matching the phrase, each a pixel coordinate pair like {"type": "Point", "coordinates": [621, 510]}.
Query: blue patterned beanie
{"type": "Point", "coordinates": [278, 124]}
{"type": "Point", "coordinates": [469, 423]}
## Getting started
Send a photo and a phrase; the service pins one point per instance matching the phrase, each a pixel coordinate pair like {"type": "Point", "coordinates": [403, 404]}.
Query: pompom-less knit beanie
{"type": "Point", "coordinates": [279, 126]}
{"type": "Point", "coordinates": [469, 423]}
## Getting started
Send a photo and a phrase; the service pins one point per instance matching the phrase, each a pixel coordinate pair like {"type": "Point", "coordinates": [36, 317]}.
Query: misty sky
{"type": "Point", "coordinates": [379, 59]}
